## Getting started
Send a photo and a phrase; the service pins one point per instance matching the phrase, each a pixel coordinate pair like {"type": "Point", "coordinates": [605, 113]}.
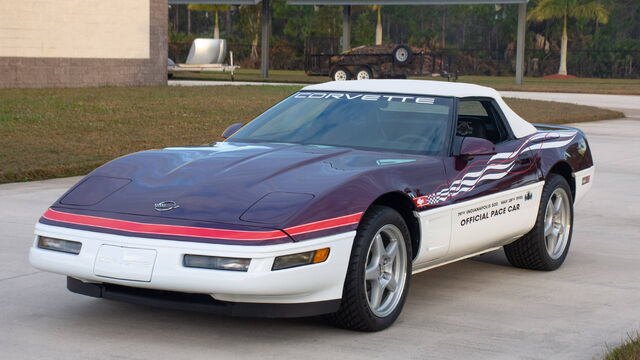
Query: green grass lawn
{"type": "Point", "coordinates": [629, 350]}
{"type": "Point", "coordinates": [47, 133]}
{"type": "Point", "coordinates": [578, 85]}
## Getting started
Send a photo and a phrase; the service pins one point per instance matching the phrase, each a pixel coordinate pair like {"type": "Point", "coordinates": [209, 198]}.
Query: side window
{"type": "Point", "coordinates": [471, 108]}
{"type": "Point", "coordinates": [479, 118]}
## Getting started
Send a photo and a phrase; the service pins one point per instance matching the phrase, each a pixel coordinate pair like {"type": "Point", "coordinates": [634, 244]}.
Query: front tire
{"type": "Point", "coordinates": [546, 246]}
{"type": "Point", "coordinates": [377, 280]}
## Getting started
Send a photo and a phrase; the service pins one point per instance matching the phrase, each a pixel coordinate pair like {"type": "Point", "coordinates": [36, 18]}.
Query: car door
{"type": "Point", "coordinates": [493, 198]}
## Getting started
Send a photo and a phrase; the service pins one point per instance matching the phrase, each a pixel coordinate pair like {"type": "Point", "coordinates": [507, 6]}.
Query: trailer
{"type": "Point", "coordinates": [205, 55]}
{"type": "Point", "coordinates": [387, 61]}
{"type": "Point", "coordinates": [225, 68]}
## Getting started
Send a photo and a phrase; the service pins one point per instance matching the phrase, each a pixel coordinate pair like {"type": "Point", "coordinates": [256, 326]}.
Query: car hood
{"type": "Point", "coordinates": [219, 183]}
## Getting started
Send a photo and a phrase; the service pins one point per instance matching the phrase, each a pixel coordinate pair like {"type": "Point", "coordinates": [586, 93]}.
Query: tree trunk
{"type": "Point", "coordinates": [379, 29]}
{"type": "Point", "coordinates": [254, 49]}
{"type": "Point", "coordinates": [216, 27]}
{"type": "Point", "coordinates": [387, 25]}
{"type": "Point", "coordinates": [228, 25]}
{"type": "Point", "coordinates": [188, 21]}
{"type": "Point", "coordinates": [563, 49]}
{"type": "Point", "coordinates": [464, 33]}
{"type": "Point", "coordinates": [177, 19]}
{"type": "Point", "coordinates": [444, 29]}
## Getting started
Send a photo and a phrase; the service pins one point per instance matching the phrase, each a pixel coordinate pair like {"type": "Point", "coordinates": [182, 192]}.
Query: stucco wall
{"type": "Point", "coordinates": [70, 43]}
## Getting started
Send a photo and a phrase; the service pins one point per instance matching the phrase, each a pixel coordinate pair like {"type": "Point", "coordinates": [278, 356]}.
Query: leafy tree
{"type": "Point", "coordinates": [250, 23]}
{"type": "Point", "coordinates": [565, 9]}
{"type": "Point", "coordinates": [215, 9]}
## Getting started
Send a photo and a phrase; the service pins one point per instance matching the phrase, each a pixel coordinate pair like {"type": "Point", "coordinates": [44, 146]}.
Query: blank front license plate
{"type": "Point", "coordinates": [125, 263]}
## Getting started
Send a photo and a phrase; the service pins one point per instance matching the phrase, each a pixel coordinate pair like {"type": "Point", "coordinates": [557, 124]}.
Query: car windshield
{"type": "Point", "coordinates": [415, 124]}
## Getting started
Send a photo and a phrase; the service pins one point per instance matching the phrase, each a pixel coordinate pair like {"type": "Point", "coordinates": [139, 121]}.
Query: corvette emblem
{"type": "Point", "coordinates": [166, 206]}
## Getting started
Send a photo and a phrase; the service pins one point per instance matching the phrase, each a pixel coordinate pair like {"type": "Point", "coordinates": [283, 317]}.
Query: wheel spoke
{"type": "Point", "coordinates": [392, 285]}
{"type": "Point", "coordinates": [548, 226]}
{"type": "Point", "coordinates": [371, 272]}
{"type": "Point", "coordinates": [551, 243]}
{"type": "Point", "coordinates": [555, 238]}
{"type": "Point", "coordinates": [376, 294]}
{"type": "Point", "coordinates": [392, 250]}
{"type": "Point", "coordinates": [549, 213]}
{"type": "Point", "coordinates": [557, 205]}
{"type": "Point", "coordinates": [378, 246]}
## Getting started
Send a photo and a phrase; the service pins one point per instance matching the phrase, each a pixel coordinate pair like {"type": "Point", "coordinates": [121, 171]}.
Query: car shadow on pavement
{"type": "Point", "coordinates": [148, 319]}
{"type": "Point", "coordinates": [496, 257]}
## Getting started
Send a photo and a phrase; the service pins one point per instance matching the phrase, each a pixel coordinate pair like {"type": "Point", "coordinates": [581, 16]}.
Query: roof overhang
{"type": "Point", "coordinates": [403, 2]}
{"type": "Point", "coordinates": [214, 2]}
{"type": "Point", "coordinates": [353, 2]}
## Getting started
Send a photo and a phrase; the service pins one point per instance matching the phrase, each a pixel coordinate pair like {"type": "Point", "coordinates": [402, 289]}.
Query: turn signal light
{"type": "Point", "coordinates": [216, 262]}
{"type": "Point", "coordinates": [300, 259]}
{"type": "Point", "coordinates": [71, 247]}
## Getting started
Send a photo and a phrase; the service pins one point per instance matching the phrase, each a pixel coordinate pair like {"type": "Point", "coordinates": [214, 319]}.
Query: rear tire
{"type": "Point", "coordinates": [340, 74]}
{"type": "Point", "coordinates": [363, 73]}
{"type": "Point", "coordinates": [377, 280]}
{"type": "Point", "coordinates": [546, 246]}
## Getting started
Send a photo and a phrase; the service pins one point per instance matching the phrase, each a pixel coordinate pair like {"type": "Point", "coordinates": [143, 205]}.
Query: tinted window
{"type": "Point", "coordinates": [471, 107]}
{"type": "Point", "coordinates": [479, 118]}
{"type": "Point", "coordinates": [403, 123]}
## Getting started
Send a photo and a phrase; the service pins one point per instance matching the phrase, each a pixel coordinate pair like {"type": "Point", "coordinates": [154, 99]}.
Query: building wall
{"type": "Point", "coordinates": [75, 43]}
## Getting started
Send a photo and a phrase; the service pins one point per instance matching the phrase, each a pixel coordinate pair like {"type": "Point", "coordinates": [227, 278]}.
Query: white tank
{"type": "Point", "coordinates": [207, 51]}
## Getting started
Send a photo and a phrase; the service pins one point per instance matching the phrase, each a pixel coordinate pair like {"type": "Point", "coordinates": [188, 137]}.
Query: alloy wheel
{"type": "Point", "coordinates": [385, 270]}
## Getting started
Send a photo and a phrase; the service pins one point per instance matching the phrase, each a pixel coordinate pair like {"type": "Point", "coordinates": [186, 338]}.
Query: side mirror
{"type": "Point", "coordinates": [231, 130]}
{"type": "Point", "coordinates": [473, 146]}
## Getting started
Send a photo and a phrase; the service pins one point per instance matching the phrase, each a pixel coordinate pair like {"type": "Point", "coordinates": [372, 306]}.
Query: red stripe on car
{"type": "Point", "coordinates": [190, 231]}
{"type": "Point", "coordinates": [324, 224]}
{"type": "Point", "coordinates": [160, 229]}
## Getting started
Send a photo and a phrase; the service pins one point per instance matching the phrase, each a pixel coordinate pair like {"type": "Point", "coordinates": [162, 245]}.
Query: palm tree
{"type": "Point", "coordinates": [578, 9]}
{"type": "Point", "coordinates": [215, 9]}
{"type": "Point", "coordinates": [379, 25]}
{"type": "Point", "coordinates": [250, 22]}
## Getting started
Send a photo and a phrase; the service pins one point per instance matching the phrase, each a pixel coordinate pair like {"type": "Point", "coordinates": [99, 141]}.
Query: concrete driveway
{"type": "Point", "coordinates": [480, 308]}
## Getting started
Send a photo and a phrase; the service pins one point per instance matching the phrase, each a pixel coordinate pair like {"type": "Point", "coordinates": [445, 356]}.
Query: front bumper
{"type": "Point", "coordinates": [199, 302]}
{"type": "Point", "coordinates": [305, 284]}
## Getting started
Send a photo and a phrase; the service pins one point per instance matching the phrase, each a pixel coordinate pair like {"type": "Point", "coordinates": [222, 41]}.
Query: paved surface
{"type": "Point", "coordinates": [625, 103]}
{"type": "Point", "coordinates": [480, 308]}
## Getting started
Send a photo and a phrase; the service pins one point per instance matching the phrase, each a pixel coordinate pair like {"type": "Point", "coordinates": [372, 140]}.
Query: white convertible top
{"type": "Point", "coordinates": [519, 126]}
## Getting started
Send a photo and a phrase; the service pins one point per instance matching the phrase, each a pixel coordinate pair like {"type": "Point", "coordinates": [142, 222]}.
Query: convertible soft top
{"type": "Point", "coordinates": [520, 127]}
